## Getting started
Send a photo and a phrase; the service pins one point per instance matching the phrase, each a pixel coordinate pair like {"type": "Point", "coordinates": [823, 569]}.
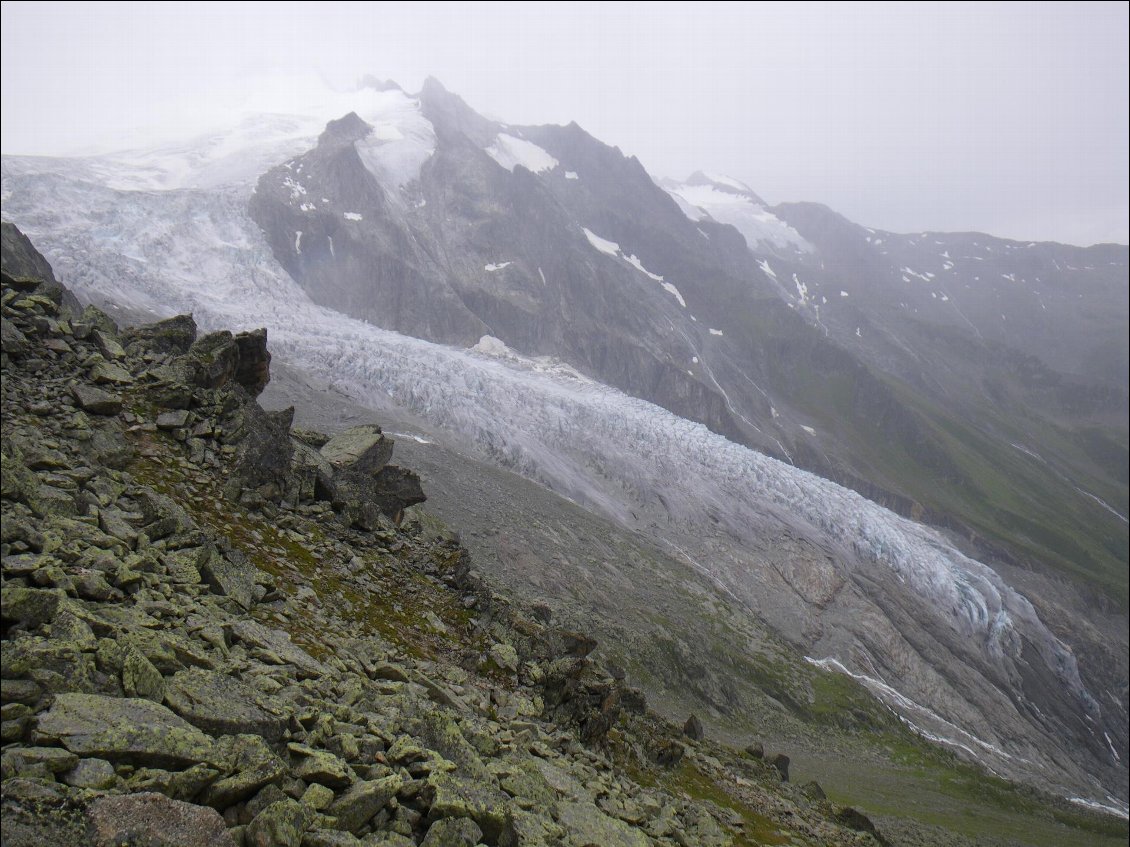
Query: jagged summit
{"type": "Point", "coordinates": [345, 130]}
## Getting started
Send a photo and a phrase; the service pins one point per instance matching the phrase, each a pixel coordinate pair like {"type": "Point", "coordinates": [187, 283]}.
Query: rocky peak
{"type": "Point", "coordinates": [344, 130]}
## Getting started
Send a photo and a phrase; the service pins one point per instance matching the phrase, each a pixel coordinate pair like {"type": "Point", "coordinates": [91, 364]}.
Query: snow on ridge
{"type": "Point", "coordinates": [401, 141]}
{"type": "Point", "coordinates": [756, 223]}
{"type": "Point", "coordinates": [602, 244]}
{"type": "Point", "coordinates": [611, 248]}
{"type": "Point", "coordinates": [510, 151]}
{"type": "Point", "coordinates": [727, 181]}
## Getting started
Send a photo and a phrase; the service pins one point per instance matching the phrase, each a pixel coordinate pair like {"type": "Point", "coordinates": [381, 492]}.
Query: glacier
{"type": "Point", "coordinates": [192, 250]}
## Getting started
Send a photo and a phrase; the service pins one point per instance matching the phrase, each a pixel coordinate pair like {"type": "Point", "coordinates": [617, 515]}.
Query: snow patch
{"type": "Point", "coordinates": [674, 292]}
{"type": "Point", "coordinates": [714, 331]}
{"type": "Point", "coordinates": [757, 224]}
{"type": "Point", "coordinates": [493, 267]}
{"type": "Point", "coordinates": [602, 244]}
{"type": "Point", "coordinates": [611, 248]}
{"type": "Point", "coordinates": [571, 175]}
{"type": "Point", "coordinates": [353, 216]}
{"type": "Point", "coordinates": [510, 151]}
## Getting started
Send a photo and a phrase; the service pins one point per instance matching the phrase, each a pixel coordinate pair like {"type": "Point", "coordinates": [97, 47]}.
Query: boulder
{"type": "Point", "coordinates": [364, 448]}
{"type": "Point", "coordinates": [172, 336]}
{"type": "Point", "coordinates": [28, 606]}
{"type": "Point", "coordinates": [123, 730]}
{"type": "Point", "coordinates": [781, 762]}
{"type": "Point", "coordinates": [251, 765]}
{"type": "Point", "coordinates": [253, 362]}
{"type": "Point", "coordinates": [12, 340]}
{"type": "Point", "coordinates": [452, 832]}
{"type": "Point", "coordinates": [220, 704]}
{"type": "Point", "coordinates": [153, 820]}
{"type": "Point", "coordinates": [274, 647]}
{"type": "Point", "coordinates": [95, 400]}
{"type": "Point", "coordinates": [281, 824]}
{"type": "Point", "coordinates": [321, 767]}
{"type": "Point", "coordinates": [693, 730]}
{"type": "Point", "coordinates": [354, 808]}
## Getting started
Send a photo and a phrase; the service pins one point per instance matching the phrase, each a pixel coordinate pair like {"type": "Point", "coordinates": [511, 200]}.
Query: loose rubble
{"type": "Point", "coordinates": [220, 631]}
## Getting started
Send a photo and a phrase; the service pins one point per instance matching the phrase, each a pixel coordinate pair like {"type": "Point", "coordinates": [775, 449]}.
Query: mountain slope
{"type": "Point", "coordinates": [678, 311]}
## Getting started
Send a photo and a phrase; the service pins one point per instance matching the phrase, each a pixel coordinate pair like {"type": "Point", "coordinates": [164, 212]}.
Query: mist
{"type": "Point", "coordinates": [1005, 118]}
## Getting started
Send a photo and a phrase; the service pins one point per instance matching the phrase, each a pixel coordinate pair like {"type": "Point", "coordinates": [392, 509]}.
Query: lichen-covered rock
{"type": "Point", "coordinates": [275, 647]}
{"type": "Point", "coordinates": [363, 800]}
{"type": "Point", "coordinates": [321, 767]}
{"type": "Point", "coordinates": [153, 820]}
{"type": "Point", "coordinates": [250, 763]}
{"type": "Point", "coordinates": [450, 796]}
{"type": "Point", "coordinates": [95, 400]}
{"type": "Point", "coordinates": [91, 773]}
{"type": "Point", "coordinates": [281, 824]}
{"type": "Point", "coordinates": [363, 447]}
{"type": "Point", "coordinates": [171, 336]}
{"type": "Point", "coordinates": [452, 832]}
{"type": "Point", "coordinates": [141, 679]}
{"type": "Point", "coordinates": [221, 704]}
{"type": "Point", "coordinates": [125, 730]}
{"type": "Point", "coordinates": [28, 606]}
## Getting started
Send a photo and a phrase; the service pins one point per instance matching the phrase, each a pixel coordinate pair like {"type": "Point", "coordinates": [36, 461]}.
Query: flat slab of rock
{"type": "Point", "coordinates": [220, 705]}
{"type": "Point", "coordinates": [274, 647]}
{"type": "Point", "coordinates": [359, 443]}
{"type": "Point", "coordinates": [153, 820]}
{"type": "Point", "coordinates": [124, 730]}
{"type": "Point", "coordinates": [95, 400]}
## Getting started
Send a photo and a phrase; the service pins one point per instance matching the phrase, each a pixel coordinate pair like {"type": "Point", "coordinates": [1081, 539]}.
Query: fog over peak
{"type": "Point", "coordinates": [1005, 118]}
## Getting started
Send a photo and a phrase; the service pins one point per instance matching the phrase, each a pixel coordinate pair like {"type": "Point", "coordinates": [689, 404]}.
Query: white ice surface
{"type": "Point", "coordinates": [757, 224]}
{"type": "Point", "coordinates": [510, 151]}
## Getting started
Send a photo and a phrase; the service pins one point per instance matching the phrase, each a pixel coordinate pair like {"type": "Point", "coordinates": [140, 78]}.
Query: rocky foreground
{"type": "Point", "coordinates": [222, 631]}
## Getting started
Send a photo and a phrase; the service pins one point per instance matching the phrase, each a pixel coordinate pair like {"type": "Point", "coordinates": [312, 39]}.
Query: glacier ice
{"type": "Point", "coordinates": [199, 252]}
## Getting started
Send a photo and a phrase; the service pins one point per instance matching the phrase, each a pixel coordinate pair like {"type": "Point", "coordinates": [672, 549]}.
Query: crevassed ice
{"type": "Point", "coordinates": [199, 252]}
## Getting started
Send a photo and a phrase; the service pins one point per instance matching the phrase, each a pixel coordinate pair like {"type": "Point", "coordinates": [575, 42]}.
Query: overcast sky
{"type": "Point", "coordinates": [1008, 118]}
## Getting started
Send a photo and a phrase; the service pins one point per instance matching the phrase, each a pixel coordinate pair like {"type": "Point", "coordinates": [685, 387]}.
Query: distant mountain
{"type": "Point", "coordinates": [963, 381]}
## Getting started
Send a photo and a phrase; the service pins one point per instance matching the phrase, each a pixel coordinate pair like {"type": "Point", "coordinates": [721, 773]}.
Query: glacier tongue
{"type": "Point", "coordinates": [178, 251]}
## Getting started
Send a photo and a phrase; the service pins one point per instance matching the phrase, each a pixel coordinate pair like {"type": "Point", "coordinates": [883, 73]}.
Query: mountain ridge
{"type": "Point", "coordinates": [797, 408]}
